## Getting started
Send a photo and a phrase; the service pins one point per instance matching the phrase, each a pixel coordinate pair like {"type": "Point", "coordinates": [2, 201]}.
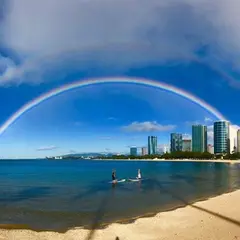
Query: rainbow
{"type": "Point", "coordinates": [84, 83]}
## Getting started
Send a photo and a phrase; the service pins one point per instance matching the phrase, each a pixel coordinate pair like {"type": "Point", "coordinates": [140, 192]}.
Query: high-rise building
{"type": "Point", "coordinates": [186, 145]}
{"type": "Point", "coordinates": [221, 137]}
{"type": "Point", "coordinates": [144, 151]}
{"type": "Point", "coordinates": [152, 145]}
{"type": "Point", "coordinates": [176, 142]}
{"type": "Point", "coordinates": [238, 141]}
{"type": "Point", "coordinates": [133, 151]}
{"type": "Point", "coordinates": [199, 138]}
{"type": "Point", "coordinates": [210, 148]}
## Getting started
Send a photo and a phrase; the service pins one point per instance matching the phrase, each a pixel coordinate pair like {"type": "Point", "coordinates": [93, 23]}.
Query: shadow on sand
{"type": "Point", "coordinates": [101, 210]}
{"type": "Point", "coordinates": [186, 203]}
{"type": "Point", "coordinates": [100, 213]}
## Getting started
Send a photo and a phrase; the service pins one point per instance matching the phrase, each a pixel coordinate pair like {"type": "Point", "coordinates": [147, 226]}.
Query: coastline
{"type": "Point", "coordinates": [174, 160]}
{"type": "Point", "coordinates": [215, 218]}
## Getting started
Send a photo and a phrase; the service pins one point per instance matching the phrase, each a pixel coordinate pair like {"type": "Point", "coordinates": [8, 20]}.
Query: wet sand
{"type": "Point", "coordinates": [217, 218]}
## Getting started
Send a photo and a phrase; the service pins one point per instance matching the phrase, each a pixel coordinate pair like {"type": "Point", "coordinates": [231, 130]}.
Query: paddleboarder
{"type": "Point", "coordinates": [139, 174]}
{"type": "Point", "coordinates": [113, 175]}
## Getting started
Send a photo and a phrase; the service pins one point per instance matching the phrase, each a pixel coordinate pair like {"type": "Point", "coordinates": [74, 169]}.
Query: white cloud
{"type": "Point", "coordinates": [207, 120]}
{"type": "Point", "coordinates": [47, 148]}
{"type": "Point", "coordinates": [147, 127]}
{"type": "Point", "coordinates": [47, 34]}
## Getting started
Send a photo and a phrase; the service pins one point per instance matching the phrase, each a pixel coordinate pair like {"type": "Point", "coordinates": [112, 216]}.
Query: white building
{"type": "Point", "coordinates": [210, 148]}
{"type": "Point", "coordinates": [164, 148]}
{"type": "Point", "coordinates": [238, 141]}
{"type": "Point", "coordinates": [233, 138]}
{"type": "Point", "coordinates": [144, 151]}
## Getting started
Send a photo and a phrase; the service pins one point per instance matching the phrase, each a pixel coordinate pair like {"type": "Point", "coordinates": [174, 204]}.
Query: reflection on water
{"type": "Point", "coordinates": [61, 194]}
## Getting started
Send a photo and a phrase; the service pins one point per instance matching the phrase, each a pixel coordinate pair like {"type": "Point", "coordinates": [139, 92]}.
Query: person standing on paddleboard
{"type": "Point", "coordinates": [114, 175]}
{"type": "Point", "coordinates": [139, 174]}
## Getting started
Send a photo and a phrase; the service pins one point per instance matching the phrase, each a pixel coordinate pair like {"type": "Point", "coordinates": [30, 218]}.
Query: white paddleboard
{"type": "Point", "coordinates": [118, 181]}
{"type": "Point", "coordinates": [135, 180]}
{"type": "Point", "coordinates": [122, 180]}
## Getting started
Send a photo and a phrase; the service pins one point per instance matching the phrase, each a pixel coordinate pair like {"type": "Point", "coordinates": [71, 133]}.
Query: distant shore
{"type": "Point", "coordinates": [217, 218]}
{"type": "Point", "coordinates": [147, 160]}
{"type": "Point", "coordinates": [175, 160]}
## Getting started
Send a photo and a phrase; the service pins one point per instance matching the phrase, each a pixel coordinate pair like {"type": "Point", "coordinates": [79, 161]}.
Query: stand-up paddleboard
{"type": "Point", "coordinates": [134, 180]}
{"type": "Point", "coordinates": [118, 181]}
{"type": "Point", "coordinates": [122, 180]}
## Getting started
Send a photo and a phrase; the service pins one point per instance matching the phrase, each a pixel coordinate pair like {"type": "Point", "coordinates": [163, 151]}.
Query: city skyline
{"type": "Point", "coordinates": [198, 142]}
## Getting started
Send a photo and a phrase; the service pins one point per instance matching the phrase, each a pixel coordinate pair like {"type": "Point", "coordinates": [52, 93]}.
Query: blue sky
{"type": "Point", "coordinates": [45, 44]}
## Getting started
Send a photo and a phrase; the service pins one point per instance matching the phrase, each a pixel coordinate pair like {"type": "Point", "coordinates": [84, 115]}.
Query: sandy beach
{"type": "Point", "coordinates": [200, 160]}
{"type": "Point", "coordinates": [177, 160]}
{"type": "Point", "coordinates": [217, 218]}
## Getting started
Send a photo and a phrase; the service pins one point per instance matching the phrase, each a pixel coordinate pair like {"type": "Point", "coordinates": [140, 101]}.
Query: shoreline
{"type": "Point", "coordinates": [139, 160]}
{"type": "Point", "coordinates": [216, 217]}
{"type": "Point", "coordinates": [174, 160]}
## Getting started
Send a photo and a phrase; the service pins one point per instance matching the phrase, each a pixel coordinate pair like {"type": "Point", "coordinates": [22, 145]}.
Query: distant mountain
{"type": "Point", "coordinates": [85, 155]}
{"type": "Point", "coordinates": [89, 154]}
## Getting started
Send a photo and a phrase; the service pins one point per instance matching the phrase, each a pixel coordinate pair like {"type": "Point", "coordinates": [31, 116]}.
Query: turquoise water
{"type": "Point", "coordinates": [60, 194]}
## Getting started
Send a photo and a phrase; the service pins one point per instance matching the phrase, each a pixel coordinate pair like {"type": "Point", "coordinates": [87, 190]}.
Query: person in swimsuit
{"type": "Point", "coordinates": [139, 174]}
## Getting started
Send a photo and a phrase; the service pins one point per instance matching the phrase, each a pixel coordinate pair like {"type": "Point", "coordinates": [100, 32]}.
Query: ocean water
{"type": "Point", "coordinates": [61, 194]}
